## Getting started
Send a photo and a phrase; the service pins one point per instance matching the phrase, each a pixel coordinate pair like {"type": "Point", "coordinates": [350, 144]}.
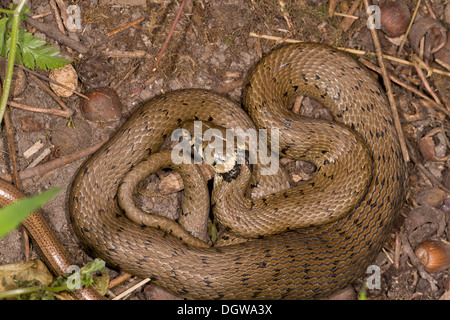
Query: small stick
{"type": "Point", "coordinates": [119, 279]}
{"type": "Point", "coordinates": [15, 174]}
{"type": "Point", "coordinates": [424, 81]}
{"type": "Point", "coordinates": [387, 84]}
{"type": "Point", "coordinates": [416, 262]}
{"type": "Point", "coordinates": [137, 54]}
{"type": "Point", "coordinates": [49, 91]}
{"type": "Point", "coordinates": [347, 22]}
{"type": "Point", "coordinates": [424, 170]}
{"type": "Point", "coordinates": [57, 35]}
{"type": "Point", "coordinates": [287, 17]}
{"type": "Point", "coordinates": [65, 16]}
{"type": "Point", "coordinates": [397, 251]}
{"type": "Point", "coordinates": [129, 25]}
{"type": "Point", "coordinates": [370, 65]}
{"type": "Point", "coordinates": [405, 37]}
{"type": "Point", "coordinates": [230, 87]}
{"type": "Point", "coordinates": [346, 15]}
{"type": "Point", "coordinates": [127, 75]}
{"type": "Point", "coordinates": [128, 291]}
{"type": "Point", "coordinates": [58, 19]}
{"type": "Point", "coordinates": [54, 164]}
{"type": "Point", "coordinates": [163, 48]}
{"type": "Point", "coordinates": [354, 51]}
{"type": "Point", "coordinates": [56, 112]}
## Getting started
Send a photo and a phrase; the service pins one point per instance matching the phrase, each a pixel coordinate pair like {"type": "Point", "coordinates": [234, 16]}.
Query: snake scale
{"type": "Point", "coordinates": [309, 262]}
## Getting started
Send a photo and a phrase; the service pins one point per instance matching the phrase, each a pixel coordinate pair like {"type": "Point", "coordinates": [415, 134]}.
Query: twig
{"type": "Point", "coordinates": [49, 91]}
{"type": "Point", "coordinates": [15, 174]}
{"type": "Point", "coordinates": [128, 291]}
{"type": "Point", "coordinates": [354, 51]}
{"type": "Point", "coordinates": [370, 65]}
{"type": "Point", "coordinates": [230, 87]}
{"type": "Point", "coordinates": [346, 15]}
{"type": "Point", "coordinates": [129, 25]}
{"type": "Point", "coordinates": [54, 164]}
{"type": "Point", "coordinates": [287, 17]}
{"type": "Point", "coordinates": [57, 35]}
{"type": "Point", "coordinates": [163, 48]}
{"type": "Point", "coordinates": [57, 16]}
{"type": "Point", "coordinates": [137, 54]}
{"type": "Point", "coordinates": [57, 112]}
{"type": "Point", "coordinates": [442, 63]}
{"type": "Point", "coordinates": [430, 9]}
{"type": "Point", "coordinates": [387, 84]}
{"type": "Point", "coordinates": [424, 170]}
{"type": "Point", "coordinates": [347, 22]}
{"type": "Point", "coordinates": [424, 80]}
{"type": "Point", "coordinates": [416, 262]}
{"type": "Point", "coordinates": [119, 279]}
{"type": "Point", "coordinates": [400, 48]}
{"type": "Point", "coordinates": [127, 75]}
{"type": "Point", "coordinates": [65, 17]}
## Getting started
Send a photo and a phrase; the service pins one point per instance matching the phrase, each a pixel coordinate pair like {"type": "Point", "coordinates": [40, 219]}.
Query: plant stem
{"type": "Point", "coordinates": [16, 292]}
{"type": "Point", "coordinates": [11, 59]}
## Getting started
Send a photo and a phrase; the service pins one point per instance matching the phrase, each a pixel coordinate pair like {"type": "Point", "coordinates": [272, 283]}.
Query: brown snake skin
{"type": "Point", "coordinates": [310, 262]}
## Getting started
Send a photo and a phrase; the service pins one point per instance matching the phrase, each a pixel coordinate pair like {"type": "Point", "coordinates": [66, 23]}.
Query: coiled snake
{"type": "Point", "coordinates": [308, 262]}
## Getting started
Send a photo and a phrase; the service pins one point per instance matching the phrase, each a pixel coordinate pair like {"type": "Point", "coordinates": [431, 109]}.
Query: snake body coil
{"type": "Point", "coordinates": [310, 262]}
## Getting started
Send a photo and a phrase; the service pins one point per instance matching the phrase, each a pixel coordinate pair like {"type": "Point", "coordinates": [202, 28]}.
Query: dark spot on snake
{"type": "Point", "coordinates": [86, 171]}
{"type": "Point", "coordinates": [232, 174]}
{"type": "Point", "coordinates": [324, 151]}
{"type": "Point", "coordinates": [326, 162]}
{"type": "Point", "coordinates": [295, 88]}
{"type": "Point", "coordinates": [85, 229]}
{"type": "Point", "coordinates": [210, 118]}
{"type": "Point", "coordinates": [285, 94]}
{"type": "Point", "coordinates": [317, 77]}
{"type": "Point", "coordinates": [315, 85]}
{"type": "Point", "coordinates": [274, 80]}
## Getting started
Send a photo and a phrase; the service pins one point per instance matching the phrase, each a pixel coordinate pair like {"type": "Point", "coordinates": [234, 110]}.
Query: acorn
{"type": "Point", "coordinates": [395, 18]}
{"type": "Point", "coordinates": [434, 255]}
{"type": "Point", "coordinates": [103, 105]}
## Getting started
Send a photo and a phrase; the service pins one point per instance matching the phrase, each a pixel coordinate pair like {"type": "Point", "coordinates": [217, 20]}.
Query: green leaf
{"type": "Point", "coordinates": [11, 216]}
{"type": "Point", "coordinates": [34, 52]}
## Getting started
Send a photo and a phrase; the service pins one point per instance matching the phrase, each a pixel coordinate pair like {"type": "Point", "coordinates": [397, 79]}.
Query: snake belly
{"type": "Point", "coordinates": [306, 263]}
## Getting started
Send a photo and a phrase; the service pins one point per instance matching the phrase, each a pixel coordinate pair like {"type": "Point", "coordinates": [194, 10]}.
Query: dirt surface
{"type": "Point", "coordinates": [211, 48]}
